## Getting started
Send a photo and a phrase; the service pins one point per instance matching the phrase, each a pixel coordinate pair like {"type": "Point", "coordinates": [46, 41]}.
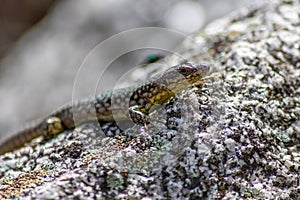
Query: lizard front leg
{"type": "Point", "coordinates": [138, 116]}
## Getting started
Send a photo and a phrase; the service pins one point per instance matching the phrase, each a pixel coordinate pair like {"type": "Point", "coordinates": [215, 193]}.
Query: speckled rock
{"type": "Point", "coordinates": [235, 137]}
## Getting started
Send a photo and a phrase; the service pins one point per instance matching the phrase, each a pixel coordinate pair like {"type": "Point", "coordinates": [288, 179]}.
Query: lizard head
{"type": "Point", "coordinates": [185, 75]}
{"type": "Point", "coordinates": [191, 72]}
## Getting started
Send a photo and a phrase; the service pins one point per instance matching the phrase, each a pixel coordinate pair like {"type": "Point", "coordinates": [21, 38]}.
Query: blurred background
{"type": "Point", "coordinates": [43, 43]}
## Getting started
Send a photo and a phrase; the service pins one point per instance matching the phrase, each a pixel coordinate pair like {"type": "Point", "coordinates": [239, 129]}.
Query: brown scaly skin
{"type": "Point", "coordinates": [121, 104]}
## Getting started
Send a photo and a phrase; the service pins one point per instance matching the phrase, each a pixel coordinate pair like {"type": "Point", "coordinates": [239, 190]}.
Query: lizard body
{"type": "Point", "coordinates": [109, 106]}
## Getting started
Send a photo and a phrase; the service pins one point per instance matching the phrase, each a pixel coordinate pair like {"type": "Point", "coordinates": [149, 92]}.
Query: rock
{"type": "Point", "coordinates": [237, 136]}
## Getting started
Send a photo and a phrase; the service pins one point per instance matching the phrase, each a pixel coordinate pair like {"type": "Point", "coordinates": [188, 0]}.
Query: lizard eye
{"type": "Point", "coordinates": [186, 70]}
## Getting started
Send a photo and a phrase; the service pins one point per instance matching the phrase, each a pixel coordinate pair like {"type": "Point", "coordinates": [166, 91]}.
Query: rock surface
{"type": "Point", "coordinates": [235, 137]}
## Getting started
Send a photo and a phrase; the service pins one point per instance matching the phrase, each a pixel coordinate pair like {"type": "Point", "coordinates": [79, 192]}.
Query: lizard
{"type": "Point", "coordinates": [138, 100]}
